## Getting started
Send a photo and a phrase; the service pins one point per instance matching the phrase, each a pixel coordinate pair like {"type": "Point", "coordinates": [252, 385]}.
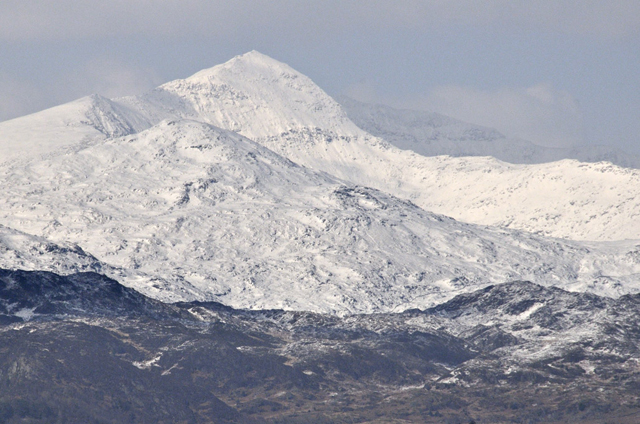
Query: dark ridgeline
{"type": "Point", "coordinates": [83, 348]}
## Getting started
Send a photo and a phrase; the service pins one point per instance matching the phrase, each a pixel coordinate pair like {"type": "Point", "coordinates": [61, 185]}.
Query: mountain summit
{"type": "Point", "coordinates": [251, 94]}
{"type": "Point", "coordinates": [283, 110]}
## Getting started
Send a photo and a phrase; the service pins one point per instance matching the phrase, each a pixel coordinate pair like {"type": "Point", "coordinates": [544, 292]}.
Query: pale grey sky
{"type": "Point", "coordinates": [555, 72]}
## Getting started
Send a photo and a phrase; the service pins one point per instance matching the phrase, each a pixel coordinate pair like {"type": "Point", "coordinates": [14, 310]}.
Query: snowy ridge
{"type": "Point", "coordinates": [23, 251]}
{"type": "Point", "coordinates": [19, 250]}
{"type": "Point", "coordinates": [191, 211]}
{"type": "Point", "coordinates": [407, 128]}
{"type": "Point", "coordinates": [432, 134]}
{"type": "Point", "coordinates": [86, 120]}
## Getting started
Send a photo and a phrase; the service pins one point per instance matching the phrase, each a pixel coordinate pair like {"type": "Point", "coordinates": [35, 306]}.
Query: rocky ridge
{"type": "Point", "coordinates": [83, 347]}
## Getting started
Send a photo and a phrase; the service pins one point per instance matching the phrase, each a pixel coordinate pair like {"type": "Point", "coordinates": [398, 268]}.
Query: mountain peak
{"type": "Point", "coordinates": [251, 94]}
{"type": "Point", "coordinates": [255, 58]}
{"type": "Point", "coordinates": [250, 63]}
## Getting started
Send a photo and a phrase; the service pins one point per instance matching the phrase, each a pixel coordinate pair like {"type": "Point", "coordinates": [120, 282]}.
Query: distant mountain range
{"type": "Point", "coordinates": [433, 134]}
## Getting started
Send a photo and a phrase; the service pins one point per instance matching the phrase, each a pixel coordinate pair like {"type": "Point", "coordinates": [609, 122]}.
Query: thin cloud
{"type": "Point", "coordinates": [44, 20]}
{"type": "Point", "coordinates": [540, 113]}
{"type": "Point", "coordinates": [111, 78]}
{"type": "Point", "coordinates": [104, 76]}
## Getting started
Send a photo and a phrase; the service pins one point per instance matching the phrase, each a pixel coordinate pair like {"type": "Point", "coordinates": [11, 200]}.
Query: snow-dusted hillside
{"type": "Point", "coordinates": [185, 210]}
{"type": "Point", "coordinates": [285, 111]}
{"type": "Point", "coordinates": [432, 134]}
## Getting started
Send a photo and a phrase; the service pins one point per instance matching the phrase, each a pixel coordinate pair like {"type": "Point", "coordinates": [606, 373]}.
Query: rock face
{"type": "Point", "coordinates": [84, 348]}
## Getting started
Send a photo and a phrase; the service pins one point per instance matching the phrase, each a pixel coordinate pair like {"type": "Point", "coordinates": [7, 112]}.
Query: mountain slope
{"type": "Point", "coordinates": [187, 211]}
{"type": "Point", "coordinates": [84, 121]}
{"type": "Point", "coordinates": [283, 110]}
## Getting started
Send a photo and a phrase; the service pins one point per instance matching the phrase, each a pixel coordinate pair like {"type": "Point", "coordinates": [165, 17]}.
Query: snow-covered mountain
{"type": "Point", "coordinates": [167, 194]}
{"type": "Point", "coordinates": [185, 211]}
{"type": "Point", "coordinates": [433, 134]}
{"type": "Point", "coordinates": [247, 185]}
{"type": "Point", "coordinates": [278, 107]}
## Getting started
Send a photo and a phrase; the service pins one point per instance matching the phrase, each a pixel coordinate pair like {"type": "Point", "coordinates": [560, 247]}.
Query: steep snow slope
{"type": "Point", "coordinates": [185, 210]}
{"type": "Point", "coordinates": [285, 111]}
{"type": "Point", "coordinates": [432, 134]}
{"type": "Point", "coordinates": [86, 120]}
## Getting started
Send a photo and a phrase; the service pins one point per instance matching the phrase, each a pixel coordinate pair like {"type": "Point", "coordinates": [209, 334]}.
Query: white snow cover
{"type": "Point", "coordinates": [188, 211]}
{"type": "Point", "coordinates": [84, 121]}
{"type": "Point", "coordinates": [180, 209]}
{"type": "Point", "coordinates": [285, 111]}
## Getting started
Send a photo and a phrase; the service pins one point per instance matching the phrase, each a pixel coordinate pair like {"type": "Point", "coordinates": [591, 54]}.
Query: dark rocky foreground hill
{"type": "Point", "coordinates": [83, 348]}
